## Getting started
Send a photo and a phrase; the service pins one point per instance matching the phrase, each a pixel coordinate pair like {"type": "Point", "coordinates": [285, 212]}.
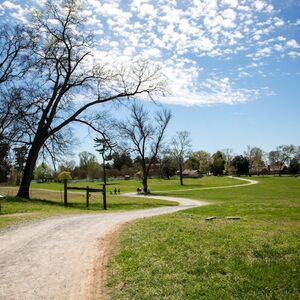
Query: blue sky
{"type": "Point", "coordinates": [233, 65]}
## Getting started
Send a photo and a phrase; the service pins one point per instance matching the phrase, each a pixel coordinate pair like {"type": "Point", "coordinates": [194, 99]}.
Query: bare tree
{"type": "Point", "coordinates": [145, 136]}
{"type": "Point", "coordinates": [8, 108]}
{"type": "Point", "coordinates": [228, 157]}
{"type": "Point", "coordinates": [180, 149]}
{"type": "Point", "coordinates": [63, 70]}
{"type": "Point", "coordinates": [14, 43]}
{"type": "Point", "coordinates": [255, 158]}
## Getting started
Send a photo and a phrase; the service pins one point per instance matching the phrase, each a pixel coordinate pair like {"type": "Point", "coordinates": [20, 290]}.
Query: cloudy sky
{"type": "Point", "coordinates": [233, 65]}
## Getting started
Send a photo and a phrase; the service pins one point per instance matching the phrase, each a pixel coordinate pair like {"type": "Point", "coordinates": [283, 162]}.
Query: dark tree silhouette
{"type": "Point", "coordinates": [63, 69]}
{"type": "Point", "coordinates": [241, 165]}
{"type": "Point", "coordinates": [218, 164]}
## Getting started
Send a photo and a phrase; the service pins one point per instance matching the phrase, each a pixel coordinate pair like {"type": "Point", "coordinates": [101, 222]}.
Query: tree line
{"type": "Point", "coordinates": [170, 161]}
{"type": "Point", "coordinates": [51, 78]}
{"type": "Point", "coordinates": [285, 159]}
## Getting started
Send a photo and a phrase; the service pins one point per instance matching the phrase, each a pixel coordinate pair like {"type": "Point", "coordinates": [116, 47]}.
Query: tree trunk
{"type": "Point", "coordinates": [104, 170]}
{"type": "Point", "coordinates": [145, 172]}
{"type": "Point", "coordinates": [29, 168]}
{"type": "Point", "coordinates": [180, 174]}
{"type": "Point", "coordinates": [145, 184]}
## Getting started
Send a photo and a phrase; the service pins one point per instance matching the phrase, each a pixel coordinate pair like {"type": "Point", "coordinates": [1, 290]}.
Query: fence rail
{"type": "Point", "coordinates": [88, 191]}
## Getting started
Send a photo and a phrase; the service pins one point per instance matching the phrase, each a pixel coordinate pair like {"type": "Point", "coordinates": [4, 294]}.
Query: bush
{"type": "Point", "coordinates": [64, 175]}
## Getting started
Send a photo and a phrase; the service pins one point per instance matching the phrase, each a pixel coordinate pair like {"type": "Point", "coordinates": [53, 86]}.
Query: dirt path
{"type": "Point", "coordinates": [53, 258]}
{"type": "Point", "coordinates": [249, 182]}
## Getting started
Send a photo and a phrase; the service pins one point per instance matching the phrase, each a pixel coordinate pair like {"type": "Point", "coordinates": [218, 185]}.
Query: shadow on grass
{"type": "Point", "coordinates": [13, 205]}
{"type": "Point", "coordinates": [32, 201]}
{"type": "Point", "coordinates": [16, 205]}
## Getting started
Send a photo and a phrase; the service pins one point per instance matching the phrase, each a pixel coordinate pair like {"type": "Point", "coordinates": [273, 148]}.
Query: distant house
{"type": "Point", "coordinates": [188, 173]}
{"type": "Point", "coordinates": [273, 169]}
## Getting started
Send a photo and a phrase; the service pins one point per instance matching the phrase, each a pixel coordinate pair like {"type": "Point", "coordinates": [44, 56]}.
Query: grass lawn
{"type": "Point", "coordinates": [19, 210]}
{"type": "Point", "coordinates": [182, 256]}
{"type": "Point", "coordinates": [154, 184]}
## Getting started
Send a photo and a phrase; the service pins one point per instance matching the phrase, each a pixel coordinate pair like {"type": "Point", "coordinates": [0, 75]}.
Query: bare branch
{"type": "Point", "coordinates": [145, 138]}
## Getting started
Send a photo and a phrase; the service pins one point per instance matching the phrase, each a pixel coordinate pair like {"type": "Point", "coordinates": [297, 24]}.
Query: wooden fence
{"type": "Point", "coordinates": [88, 190]}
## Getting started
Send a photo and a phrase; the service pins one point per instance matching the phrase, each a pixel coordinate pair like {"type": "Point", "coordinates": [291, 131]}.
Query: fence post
{"type": "Point", "coordinates": [65, 192]}
{"type": "Point", "coordinates": [104, 196]}
{"type": "Point", "coordinates": [87, 196]}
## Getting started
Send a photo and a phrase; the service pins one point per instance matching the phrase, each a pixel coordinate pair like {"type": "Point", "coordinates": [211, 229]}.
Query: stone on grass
{"type": "Point", "coordinates": [210, 218]}
{"type": "Point", "coordinates": [233, 218]}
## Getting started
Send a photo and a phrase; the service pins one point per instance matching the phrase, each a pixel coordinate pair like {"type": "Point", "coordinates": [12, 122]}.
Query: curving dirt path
{"type": "Point", "coordinates": [249, 182]}
{"type": "Point", "coordinates": [56, 258]}
{"type": "Point", "coordinates": [53, 258]}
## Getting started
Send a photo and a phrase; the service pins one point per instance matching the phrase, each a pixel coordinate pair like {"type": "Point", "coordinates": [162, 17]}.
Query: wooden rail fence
{"type": "Point", "coordinates": [88, 191]}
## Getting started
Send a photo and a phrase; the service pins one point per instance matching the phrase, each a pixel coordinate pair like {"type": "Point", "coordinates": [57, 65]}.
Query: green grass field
{"type": "Point", "coordinates": [47, 198]}
{"type": "Point", "coordinates": [182, 256]}
{"type": "Point", "coordinates": [18, 210]}
{"type": "Point", "coordinates": [154, 184]}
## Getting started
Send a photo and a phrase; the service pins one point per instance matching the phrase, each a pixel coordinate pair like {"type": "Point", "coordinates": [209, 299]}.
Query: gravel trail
{"type": "Point", "coordinates": [53, 258]}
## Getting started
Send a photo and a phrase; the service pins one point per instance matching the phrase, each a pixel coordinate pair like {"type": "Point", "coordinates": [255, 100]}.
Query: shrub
{"type": "Point", "coordinates": [64, 175]}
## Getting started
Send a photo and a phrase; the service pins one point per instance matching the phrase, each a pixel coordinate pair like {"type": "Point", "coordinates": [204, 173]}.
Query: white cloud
{"type": "Point", "coordinates": [232, 3]}
{"type": "Point", "coordinates": [179, 35]}
{"type": "Point", "coordinates": [153, 53]}
{"type": "Point", "coordinates": [229, 14]}
{"type": "Point", "coordinates": [279, 22]}
{"type": "Point", "coordinates": [279, 47]}
{"type": "Point", "coordinates": [259, 5]}
{"type": "Point", "coordinates": [11, 5]}
{"type": "Point", "coordinates": [147, 9]}
{"type": "Point", "coordinates": [281, 38]}
{"type": "Point", "coordinates": [292, 44]}
{"type": "Point", "coordinates": [294, 54]}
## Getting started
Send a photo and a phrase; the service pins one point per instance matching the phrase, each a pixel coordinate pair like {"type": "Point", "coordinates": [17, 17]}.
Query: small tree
{"type": "Point", "coordinates": [193, 162]}
{"type": "Point", "coordinates": [241, 165]}
{"type": "Point", "coordinates": [204, 161]}
{"type": "Point", "coordinates": [64, 175]}
{"type": "Point", "coordinates": [104, 147]}
{"type": "Point", "coordinates": [180, 149]}
{"type": "Point", "coordinates": [43, 172]}
{"type": "Point", "coordinates": [228, 156]}
{"type": "Point", "coordinates": [255, 158]}
{"type": "Point", "coordinates": [218, 164]}
{"type": "Point", "coordinates": [67, 166]}
{"type": "Point", "coordinates": [121, 159]}
{"type": "Point", "coordinates": [145, 136]}
{"type": "Point", "coordinates": [168, 166]}
{"type": "Point", "coordinates": [88, 166]}
{"type": "Point", "coordinates": [294, 167]}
